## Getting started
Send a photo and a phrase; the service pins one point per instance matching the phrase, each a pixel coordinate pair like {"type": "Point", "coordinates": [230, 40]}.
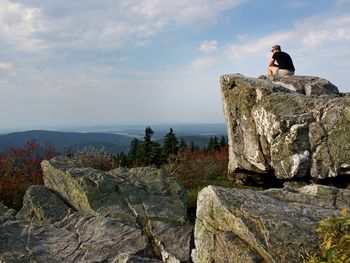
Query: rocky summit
{"type": "Point", "coordinates": [290, 130]}
{"type": "Point", "coordinates": [86, 215]}
{"type": "Point", "coordinates": [286, 128]}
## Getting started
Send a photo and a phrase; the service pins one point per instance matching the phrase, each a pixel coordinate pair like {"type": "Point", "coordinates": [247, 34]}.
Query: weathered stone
{"type": "Point", "coordinates": [121, 193]}
{"type": "Point", "coordinates": [86, 215]}
{"type": "Point", "coordinates": [306, 85]}
{"type": "Point", "coordinates": [77, 238]}
{"type": "Point", "coordinates": [152, 193]}
{"type": "Point", "coordinates": [42, 204]}
{"type": "Point", "coordinates": [340, 198]}
{"type": "Point", "coordinates": [127, 258]}
{"type": "Point", "coordinates": [276, 225]}
{"type": "Point", "coordinates": [6, 213]}
{"type": "Point", "coordinates": [172, 240]}
{"type": "Point", "coordinates": [272, 128]}
{"type": "Point", "coordinates": [86, 189]}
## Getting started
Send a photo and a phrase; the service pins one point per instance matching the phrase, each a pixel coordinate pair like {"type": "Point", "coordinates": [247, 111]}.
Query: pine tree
{"type": "Point", "coordinates": [151, 151]}
{"type": "Point", "coordinates": [122, 159]}
{"type": "Point", "coordinates": [135, 155]}
{"type": "Point", "coordinates": [193, 147]}
{"type": "Point", "coordinates": [155, 155]}
{"type": "Point", "coordinates": [147, 146]}
{"type": "Point", "coordinates": [216, 145]}
{"type": "Point", "coordinates": [213, 144]}
{"type": "Point", "coordinates": [222, 142]}
{"type": "Point", "coordinates": [183, 144]}
{"type": "Point", "coordinates": [210, 145]}
{"type": "Point", "coordinates": [170, 144]}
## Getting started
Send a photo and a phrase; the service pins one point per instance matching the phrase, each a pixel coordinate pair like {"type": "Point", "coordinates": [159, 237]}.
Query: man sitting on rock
{"type": "Point", "coordinates": [284, 64]}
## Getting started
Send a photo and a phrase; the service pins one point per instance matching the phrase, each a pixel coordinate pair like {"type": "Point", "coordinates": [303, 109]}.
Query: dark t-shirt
{"type": "Point", "coordinates": [284, 61]}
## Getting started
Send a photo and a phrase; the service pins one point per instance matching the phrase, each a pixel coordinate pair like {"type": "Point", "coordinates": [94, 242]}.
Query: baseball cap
{"type": "Point", "coordinates": [278, 47]}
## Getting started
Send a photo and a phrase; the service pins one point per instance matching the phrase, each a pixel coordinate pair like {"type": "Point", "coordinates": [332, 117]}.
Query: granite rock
{"type": "Point", "coordinates": [276, 225]}
{"type": "Point", "coordinates": [86, 215]}
{"type": "Point", "coordinates": [276, 129]}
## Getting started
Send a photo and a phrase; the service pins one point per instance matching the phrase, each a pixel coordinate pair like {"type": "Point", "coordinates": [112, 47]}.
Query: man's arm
{"type": "Point", "coordinates": [272, 63]}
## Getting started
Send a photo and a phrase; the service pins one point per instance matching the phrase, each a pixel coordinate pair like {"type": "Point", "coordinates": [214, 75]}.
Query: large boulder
{"type": "Point", "coordinates": [289, 128]}
{"type": "Point", "coordinates": [77, 238]}
{"type": "Point", "coordinates": [276, 225]}
{"type": "Point", "coordinates": [86, 215]}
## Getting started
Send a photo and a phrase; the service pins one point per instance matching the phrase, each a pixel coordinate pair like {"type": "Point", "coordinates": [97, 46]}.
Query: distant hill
{"type": "Point", "coordinates": [113, 139]}
{"type": "Point", "coordinates": [113, 143]}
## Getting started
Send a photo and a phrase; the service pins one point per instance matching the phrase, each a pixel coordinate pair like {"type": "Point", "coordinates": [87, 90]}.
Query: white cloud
{"type": "Point", "coordinates": [314, 38]}
{"type": "Point", "coordinates": [106, 25]}
{"type": "Point", "coordinates": [6, 66]}
{"type": "Point", "coordinates": [18, 24]}
{"type": "Point", "coordinates": [208, 46]}
{"type": "Point", "coordinates": [142, 43]}
{"type": "Point", "coordinates": [197, 13]}
{"type": "Point", "coordinates": [253, 47]}
{"type": "Point", "coordinates": [342, 2]}
{"type": "Point", "coordinates": [18, 19]}
{"type": "Point", "coordinates": [201, 63]}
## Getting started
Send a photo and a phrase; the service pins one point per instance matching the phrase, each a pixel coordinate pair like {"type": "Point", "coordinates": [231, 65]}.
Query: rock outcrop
{"type": "Point", "coordinates": [85, 215]}
{"type": "Point", "coordinates": [276, 225]}
{"type": "Point", "coordinates": [289, 128]}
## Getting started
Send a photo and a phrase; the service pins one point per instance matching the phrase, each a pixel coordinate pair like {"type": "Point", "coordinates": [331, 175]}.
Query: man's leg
{"type": "Point", "coordinates": [285, 72]}
{"type": "Point", "coordinates": [272, 70]}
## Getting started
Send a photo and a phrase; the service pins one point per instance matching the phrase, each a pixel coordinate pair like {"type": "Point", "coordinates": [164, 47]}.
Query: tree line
{"type": "Point", "coordinates": [149, 152]}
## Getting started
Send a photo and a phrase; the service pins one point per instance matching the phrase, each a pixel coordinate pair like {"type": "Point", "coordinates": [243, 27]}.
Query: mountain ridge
{"type": "Point", "coordinates": [113, 141]}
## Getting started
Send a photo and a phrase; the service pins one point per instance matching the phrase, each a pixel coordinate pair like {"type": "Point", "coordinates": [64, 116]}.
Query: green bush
{"type": "Point", "coordinates": [334, 241]}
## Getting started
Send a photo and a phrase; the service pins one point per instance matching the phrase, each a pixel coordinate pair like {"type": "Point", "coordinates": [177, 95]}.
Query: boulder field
{"type": "Point", "coordinates": [86, 215]}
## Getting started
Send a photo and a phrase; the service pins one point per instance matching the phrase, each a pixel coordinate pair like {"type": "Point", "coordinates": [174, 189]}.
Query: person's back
{"type": "Point", "coordinates": [284, 64]}
{"type": "Point", "coordinates": [284, 61]}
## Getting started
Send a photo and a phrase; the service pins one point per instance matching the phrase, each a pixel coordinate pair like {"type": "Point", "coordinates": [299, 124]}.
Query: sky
{"type": "Point", "coordinates": [97, 62]}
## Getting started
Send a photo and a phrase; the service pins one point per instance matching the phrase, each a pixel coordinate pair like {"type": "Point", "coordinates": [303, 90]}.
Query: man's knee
{"type": "Point", "coordinates": [273, 70]}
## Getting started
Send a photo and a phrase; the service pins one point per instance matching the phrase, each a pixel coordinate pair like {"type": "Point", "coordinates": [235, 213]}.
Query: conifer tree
{"type": "Point", "coordinates": [170, 144]}
{"type": "Point", "coordinates": [216, 145]}
{"type": "Point", "coordinates": [210, 145]}
{"type": "Point", "coordinates": [183, 144]}
{"type": "Point", "coordinates": [147, 146]}
{"type": "Point", "coordinates": [213, 144]}
{"type": "Point", "coordinates": [151, 151]}
{"type": "Point", "coordinates": [155, 155]}
{"type": "Point", "coordinates": [193, 147]}
{"type": "Point", "coordinates": [122, 159]}
{"type": "Point", "coordinates": [222, 142]}
{"type": "Point", "coordinates": [135, 155]}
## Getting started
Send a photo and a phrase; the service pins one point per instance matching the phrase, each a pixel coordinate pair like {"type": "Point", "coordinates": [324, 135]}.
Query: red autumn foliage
{"type": "Point", "coordinates": [20, 168]}
{"type": "Point", "coordinates": [194, 167]}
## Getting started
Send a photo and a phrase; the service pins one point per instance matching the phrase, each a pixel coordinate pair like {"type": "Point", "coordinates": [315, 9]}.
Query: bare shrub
{"type": "Point", "coordinates": [96, 158]}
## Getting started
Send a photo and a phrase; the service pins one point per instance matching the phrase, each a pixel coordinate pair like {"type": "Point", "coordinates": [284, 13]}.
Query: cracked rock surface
{"type": "Point", "coordinates": [275, 225]}
{"type": "Point", "coordinates": [86, 215]}
{"type": "Point", "coordinates": [294, 127]}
